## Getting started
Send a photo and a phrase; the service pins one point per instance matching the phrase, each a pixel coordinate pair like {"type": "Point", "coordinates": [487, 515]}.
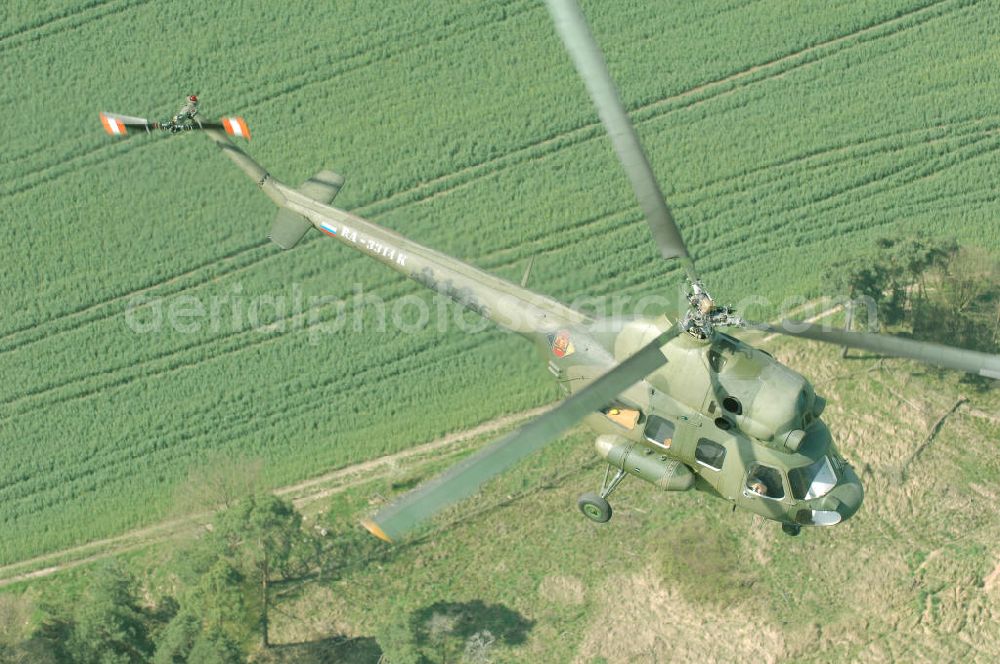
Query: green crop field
{"type": "Point", "coordinates": [787, 135]}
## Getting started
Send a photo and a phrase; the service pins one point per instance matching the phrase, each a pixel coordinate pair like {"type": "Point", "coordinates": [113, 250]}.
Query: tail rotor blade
{"type": "Point", "coordinates": [463, 479]}
{"type": "Point", "coordinates": [116, 124]}
{"type": "Point", "coordinates": [589, 62]}
{"type": "Point", "coordinates": [236, 127]}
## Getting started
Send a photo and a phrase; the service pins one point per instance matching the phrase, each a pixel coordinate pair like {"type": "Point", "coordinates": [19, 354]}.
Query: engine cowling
{"type": "Point", "coordinates": [763, 397]}
{"type": "Point", "coordinates": [730, 382]}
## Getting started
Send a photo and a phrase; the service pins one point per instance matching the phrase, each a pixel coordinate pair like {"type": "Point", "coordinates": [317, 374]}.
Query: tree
{"type": "Point", "coordinates": [34, 650]}
{"type": "Point", "coordinates": [227, 577]}
{"type": "Point", "coordinates": [177, 639]}
{"type": "Point", "coordinates": [215, 647]}
{"type": "Point", "coordinates": [397, 641]}
{"type": "Point", "coordinates": [20, 640]}
{"type": "Point", "coordinates": [890, 273]}
{"type": "Point", "coordinates": [221, 481]}
{"type": "Point", "coordinates": [479, 648]}
{"type": "Point", "coordinates": [439, 633]}
{"type": "Point", "coordinates": [108, 625]}
{"type": "Point", "coordinates": [15, 617]}
{"type": "Point", "coordinates": [219, 597]}
{"type": "Point", "coordinates": [259, 538]}
{"type": "Point", "coordinates": [861, 278]}
{"type": "Point", "coordinates": [962, 304]}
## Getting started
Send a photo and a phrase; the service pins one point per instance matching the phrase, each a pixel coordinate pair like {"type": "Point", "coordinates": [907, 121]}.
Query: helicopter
{"type": "Point", "coordinates": [674, 401]}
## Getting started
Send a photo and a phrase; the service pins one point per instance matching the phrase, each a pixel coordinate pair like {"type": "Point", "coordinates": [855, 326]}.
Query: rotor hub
{"type": "Point", "coordinates": [704, 315]}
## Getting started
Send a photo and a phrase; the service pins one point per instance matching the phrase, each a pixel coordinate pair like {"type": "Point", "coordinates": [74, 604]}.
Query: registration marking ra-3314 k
{"type": "Point", "coordinates": [367, 244]}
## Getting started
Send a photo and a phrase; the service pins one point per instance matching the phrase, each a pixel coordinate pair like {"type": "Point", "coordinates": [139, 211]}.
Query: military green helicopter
{"type": "Point", "coordinates": [676, 402]}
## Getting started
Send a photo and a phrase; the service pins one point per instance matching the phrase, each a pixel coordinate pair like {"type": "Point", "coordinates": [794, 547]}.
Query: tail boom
{"type": "Point", "coordinates": [507, 304]}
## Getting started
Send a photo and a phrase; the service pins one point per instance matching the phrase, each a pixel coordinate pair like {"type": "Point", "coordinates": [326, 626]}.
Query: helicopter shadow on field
{"type": "Point", "coordinates": [852, 355]}
{"type": "Point", "coordinates": [463, 621]}
{"type": "Point", "coordinates": [968, 380]}
{"type": "Point", "coordinates": [349, 650]}
{"type": "Point", "coordinates": [862, 356]}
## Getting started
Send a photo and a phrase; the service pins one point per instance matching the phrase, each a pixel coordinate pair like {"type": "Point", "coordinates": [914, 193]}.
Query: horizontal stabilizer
{"type": "Point", "coordinates": [289, 227]}
{"type": "Point", "coordinates": [322, 187]}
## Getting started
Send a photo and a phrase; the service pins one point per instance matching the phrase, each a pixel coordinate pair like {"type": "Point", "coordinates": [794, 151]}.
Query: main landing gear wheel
{"type": "Point", "coordinates": [792, 529]}
{"type": "Point", "coordinates": [594, 507]}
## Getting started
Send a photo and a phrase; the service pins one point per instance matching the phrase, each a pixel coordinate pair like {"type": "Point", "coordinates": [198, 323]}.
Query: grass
{"type": "Point", "coordinates": [785, 137]}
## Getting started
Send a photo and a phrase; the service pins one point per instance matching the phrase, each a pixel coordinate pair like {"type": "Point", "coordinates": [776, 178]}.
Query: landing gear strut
{"type": "Point", "coordinates": [596, 507]}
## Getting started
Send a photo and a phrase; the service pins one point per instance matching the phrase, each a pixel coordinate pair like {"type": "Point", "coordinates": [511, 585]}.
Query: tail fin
{"type": "Point", "coordinates": [289, 227]}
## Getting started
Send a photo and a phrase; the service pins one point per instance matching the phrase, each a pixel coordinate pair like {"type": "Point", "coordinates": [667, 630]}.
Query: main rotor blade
{"type": "Point", "coordinates": [948, 357]}
{"type": "Point", "coordinates": [572, 28]}
{"type": "Point", "coordinates": [464, 478]}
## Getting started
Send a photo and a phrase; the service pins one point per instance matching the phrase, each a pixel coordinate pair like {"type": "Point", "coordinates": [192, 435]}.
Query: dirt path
{"type": "Point", "coordinates": [300, 493]}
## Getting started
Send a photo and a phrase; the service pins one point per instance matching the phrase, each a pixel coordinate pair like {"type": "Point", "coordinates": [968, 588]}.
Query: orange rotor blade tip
{"type": "Point", "coordinates": [113, 126]}
{"type": "Point", "coordinates": [236, 127]}
{"type": "Point", "coordinates": [244, 128]}
{"type": "Point", "coordinates": [373, 528]}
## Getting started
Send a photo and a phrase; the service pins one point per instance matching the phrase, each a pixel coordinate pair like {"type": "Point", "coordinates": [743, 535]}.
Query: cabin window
{"type": "Point", "coordinates": [765, 481]}
{"type": "Point", "coordinates": [710, 453]}
{"type": "Point", "coordinates": [659, 431]}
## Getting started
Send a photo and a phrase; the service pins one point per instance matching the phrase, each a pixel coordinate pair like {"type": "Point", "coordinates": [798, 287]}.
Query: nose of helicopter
{"type": "Point", "coordinates": [837, 506]}
{"type": "Point", "coordinates": [849, 494]}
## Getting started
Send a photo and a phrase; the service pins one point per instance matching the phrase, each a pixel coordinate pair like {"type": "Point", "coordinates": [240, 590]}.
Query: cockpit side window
{"type": "Point", "coordinates": [710, 453]}
{"type": "Point", "coordinates": [765, 481]}
{"type": "Point", "coordinates": [659, 430]}
{"type": "Point", "coordinates": [814, 480]}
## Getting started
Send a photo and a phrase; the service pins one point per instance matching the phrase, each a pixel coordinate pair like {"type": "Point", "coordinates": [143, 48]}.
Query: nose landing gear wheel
{"type": "Point", "coordinates": [594, 507]}
{"type": "Point", "coordinates": [792, 529]}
